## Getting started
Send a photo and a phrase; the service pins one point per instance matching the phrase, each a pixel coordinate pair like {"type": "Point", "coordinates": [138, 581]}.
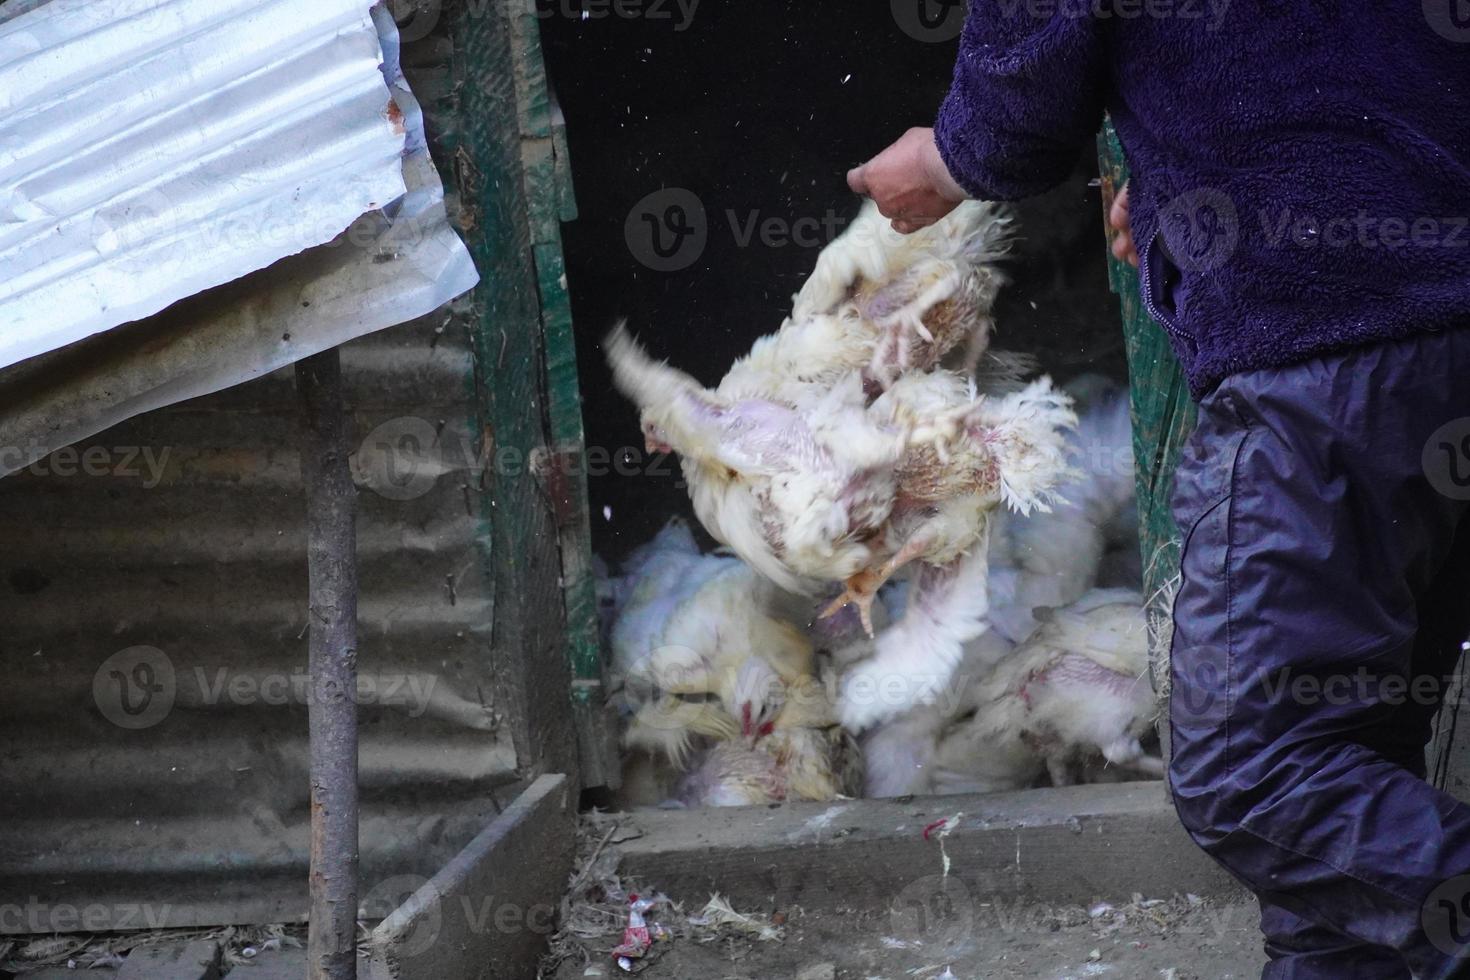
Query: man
{"type": "Point", "coordinates": [1301, 182]}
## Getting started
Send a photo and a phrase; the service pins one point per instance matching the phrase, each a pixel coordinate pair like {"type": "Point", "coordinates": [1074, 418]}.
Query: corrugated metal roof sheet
{"type": "Point", "coordinates": [152, 149]}
{"type": "Point", "coordinates": [390, 266]}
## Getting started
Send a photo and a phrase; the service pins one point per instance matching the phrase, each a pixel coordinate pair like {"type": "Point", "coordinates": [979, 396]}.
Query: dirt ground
{"type": "Point", "coordinates": [1177, 940]}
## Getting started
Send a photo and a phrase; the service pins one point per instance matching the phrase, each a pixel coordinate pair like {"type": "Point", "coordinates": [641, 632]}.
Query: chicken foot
{"type": "Point", "coordinates": [862, 589]}
{"type": "Point", "coordinates": [893, 353]}
{"type": "Point", "coordinates": [946, 427]}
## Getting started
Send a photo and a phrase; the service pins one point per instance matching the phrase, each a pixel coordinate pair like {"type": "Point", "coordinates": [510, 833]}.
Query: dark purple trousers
{"type": "Point", "coordinates": [1324, 603]}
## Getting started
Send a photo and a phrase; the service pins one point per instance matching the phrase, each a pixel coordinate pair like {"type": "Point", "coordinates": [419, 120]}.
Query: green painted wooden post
{"type": "Point", "coordinates": [536, 397]}
{"type": "Point", "coordinates": [1163, 418]}
{"type": "Point", "coordinates": [524, 499]}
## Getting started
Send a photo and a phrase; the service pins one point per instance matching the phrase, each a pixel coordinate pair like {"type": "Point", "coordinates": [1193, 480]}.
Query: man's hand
{"type": "Point", "coordinates": [1123, 247]}
{"type": "Point", "coordinates": [909, 182]}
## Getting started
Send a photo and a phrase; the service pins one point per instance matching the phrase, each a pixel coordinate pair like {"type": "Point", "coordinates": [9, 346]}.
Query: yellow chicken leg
{"type": "Point", "coordinates": [863, 587]}
{"type": "Point", "coordinates": [861, 590]}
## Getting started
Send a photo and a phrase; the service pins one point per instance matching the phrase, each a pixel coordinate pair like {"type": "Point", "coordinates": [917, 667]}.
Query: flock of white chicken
{"type": "Point", "coordinates": [916, 591]}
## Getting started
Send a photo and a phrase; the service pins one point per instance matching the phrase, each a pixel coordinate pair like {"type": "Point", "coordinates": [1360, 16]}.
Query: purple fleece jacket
{"type": "Point", "coordinates": [1301, 168]}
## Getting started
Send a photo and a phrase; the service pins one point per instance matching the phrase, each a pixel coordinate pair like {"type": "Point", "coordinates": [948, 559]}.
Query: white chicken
{"type": "Point", "coordinates": [719, 664]}
{"type": "Point", "coordinates": [806, 493]}
{"type": "Point", "coordinates": [1079, 686]}
{"type": "Point", "coordinates": [919, 295]}
{"type": "Point", "coordinates": [801, 754]}
{"type": "Point", "coordinates": [1051, 558]}
{"type": "Point", "coordinates": [723, 689]}
{"type": "Point", "coordinates": [704, 646]}
{"type": "Point", "coordinates": [899, 755]}
{"type": "Point", "coordinates": [1004, 451]}
{"type": "Point", "coordinates": [840, 449]}
{"type": "Point", "coordinates": [783, 461]}
{"type": "Point", "coordinates": [1009, 453]}
{"type": "Point", "coordinates": [795, 491]}
{"type": "Point", "coordinates": [656, 577]}
{"type": "Point", "coordinates": [1075, 690]}
{"type": "Point", "coordinates": [816, 764]}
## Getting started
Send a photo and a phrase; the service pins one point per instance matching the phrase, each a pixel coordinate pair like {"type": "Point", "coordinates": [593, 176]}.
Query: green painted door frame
{"type": "Point", "coordinates": [1163, 418]}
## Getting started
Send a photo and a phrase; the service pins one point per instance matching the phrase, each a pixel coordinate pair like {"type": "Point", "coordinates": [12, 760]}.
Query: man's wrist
{"type": "Point", "coordinates": [938, 173]}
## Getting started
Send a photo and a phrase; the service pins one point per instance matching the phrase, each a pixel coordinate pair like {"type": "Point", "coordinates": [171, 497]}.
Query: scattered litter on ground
{"type": "Point", "coordinates": [102, 951]}
{"type": "Point", "coordinates": [719, 913]}
{"type": "Point", "coordinates": [606, 918]}
{"type": "Point", "coordinates": [1183, 937]}
{"type": "Point", "coordinates": [939, 830]}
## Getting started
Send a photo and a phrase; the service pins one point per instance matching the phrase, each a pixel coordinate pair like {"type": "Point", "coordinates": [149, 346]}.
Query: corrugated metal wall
{"type": "Point", "coordinates": [182, 533]}
{"type": "Point", "coordinates": [153, 756]}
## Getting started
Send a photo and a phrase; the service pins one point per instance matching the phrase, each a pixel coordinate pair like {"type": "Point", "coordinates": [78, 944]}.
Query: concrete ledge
{"type": "Point", "coordinates": [488, 913]}
{"type": "Point", "coordinates": [1069, 845]}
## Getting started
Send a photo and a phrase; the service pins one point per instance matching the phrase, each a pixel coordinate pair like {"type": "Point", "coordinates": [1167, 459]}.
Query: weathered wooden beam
{"type": "Point", "coordinates": [331, 509]}
{"type": "Point", "coordinates": [489, 912]}
{"type": "Point", "coordinates": [1063, 846]}
{"type": "Point", "coordinates": [529, 628]}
